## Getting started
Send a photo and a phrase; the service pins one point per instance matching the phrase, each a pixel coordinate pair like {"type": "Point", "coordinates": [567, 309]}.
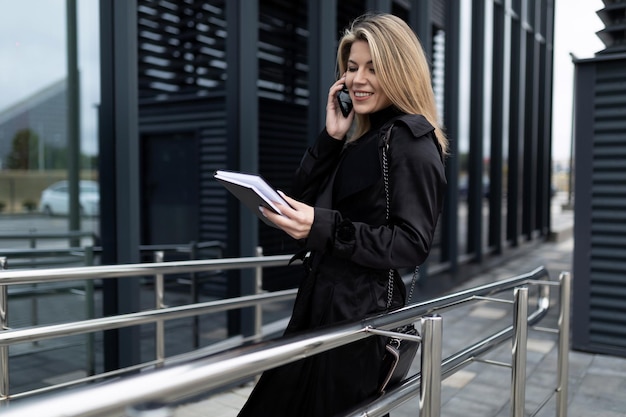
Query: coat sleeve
{"type": "Point", "coordinates": [316, 165]}
{"type": "Point", "coordinates": [417, 185]}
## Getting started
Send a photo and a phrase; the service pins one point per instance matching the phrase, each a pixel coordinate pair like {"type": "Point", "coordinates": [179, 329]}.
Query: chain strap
{"type": "Point", "coordinates": [387, 212]}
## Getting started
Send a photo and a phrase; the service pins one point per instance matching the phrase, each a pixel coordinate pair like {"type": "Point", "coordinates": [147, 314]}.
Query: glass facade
{"type": "Point", "coordinates": [49, 151]}
{"type": "Point", "coordinates": [34, 105]}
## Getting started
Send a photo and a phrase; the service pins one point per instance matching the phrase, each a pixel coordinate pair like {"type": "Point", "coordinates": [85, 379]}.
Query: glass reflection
{"type": "Point", "coordinates": [34, 109]}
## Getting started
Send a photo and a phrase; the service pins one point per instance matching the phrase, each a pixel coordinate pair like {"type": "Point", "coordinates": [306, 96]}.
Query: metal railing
{"type": "Point", "coordinates": [176, 382]}
{"type": "Point", "coordinates": [159, 314]}
{"type": "Point", "coordinates": [34, 236]}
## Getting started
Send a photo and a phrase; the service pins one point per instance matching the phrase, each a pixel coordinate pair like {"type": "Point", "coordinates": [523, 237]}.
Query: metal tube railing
{"type": "Point", "coordinates": [170, 384]}
{"type": "Point", "coordinates": [225, 369]}
{"type": "Point", "coordinates": [460, 359]}
{"type": "Point", "coordinates": [108, 323]}
{"type": "Point", "coordinates": [4, 324]}
{"type": "Point", "coordinates": [159, 294]}
{"type": "Point", "coordinates": [35, 334]}
{"type": "Point", "coordinates": [132, 319]}
{"type": "Point", "coordinates": [564, 337]}
{"type": "Point", "coordinates": [90, 310]}
{"type": "Point", "coordinates": [43, 235]}
{"type": "Point", "coordinates": [136, 270]}
{"type": "Point", "coordinates": [430, 386]}
{"type": "Point", "coordinates": [518, 369]}
{"type": "Point", "coordinates": [258, 289]}
{"type": "Point", "coordinates": [182, 381]}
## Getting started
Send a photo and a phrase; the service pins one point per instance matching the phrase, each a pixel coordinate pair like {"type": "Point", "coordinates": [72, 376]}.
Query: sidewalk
{"type": "Point", "coordinates": [596, 382]}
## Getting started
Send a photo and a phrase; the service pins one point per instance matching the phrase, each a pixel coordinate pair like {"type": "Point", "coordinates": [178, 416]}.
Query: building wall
{"type": "Point", "coordinates": [493, 64]}
{"type": "Point", "coordinates": [241, 83]}
{"type": "Point", "coordinates": [599, 313]}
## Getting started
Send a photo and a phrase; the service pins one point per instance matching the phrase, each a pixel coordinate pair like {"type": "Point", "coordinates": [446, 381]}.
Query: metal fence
{"type": "Point", "coordinates": [201, 373]}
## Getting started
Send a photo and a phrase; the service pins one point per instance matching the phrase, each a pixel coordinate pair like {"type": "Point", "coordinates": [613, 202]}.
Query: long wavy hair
{"type": "Point", "coordinates": [400, 64]}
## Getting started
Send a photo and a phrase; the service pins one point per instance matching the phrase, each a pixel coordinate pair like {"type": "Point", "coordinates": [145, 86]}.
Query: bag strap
{"type": "Point", "coordinates": [387, 212]}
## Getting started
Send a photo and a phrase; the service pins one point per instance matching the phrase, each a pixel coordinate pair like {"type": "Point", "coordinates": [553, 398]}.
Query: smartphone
{"type": "Point", "coordinates": [345, 103]}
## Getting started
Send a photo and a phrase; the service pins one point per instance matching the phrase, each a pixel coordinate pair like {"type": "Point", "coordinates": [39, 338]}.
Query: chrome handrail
{"type": "Point", "coordinates": [45, 235]}
{"type": "Point", "coordinates": [459, 360]}
{"type": "Point", "coordinates": [135, 270]}
{"type": "Point", "coordinates": [31, 334]}
{"type": "Point", "coordinates": [107, 323]}
{"type": "Point", "coordinates": [38, 276]}
{"type": "Point", "coordinates": [177, 382]}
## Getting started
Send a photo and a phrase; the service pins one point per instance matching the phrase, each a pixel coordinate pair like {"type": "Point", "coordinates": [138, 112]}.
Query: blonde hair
{"type": "Point", "coordinates": [400, 64]}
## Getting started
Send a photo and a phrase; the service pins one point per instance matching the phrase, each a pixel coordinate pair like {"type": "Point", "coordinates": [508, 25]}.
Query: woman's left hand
{"type": "Point", "coordinates": [296, 220]}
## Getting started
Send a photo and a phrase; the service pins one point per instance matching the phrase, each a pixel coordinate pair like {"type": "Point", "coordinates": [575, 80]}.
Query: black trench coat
{"type": "Point", "coordinates": [352, 248]}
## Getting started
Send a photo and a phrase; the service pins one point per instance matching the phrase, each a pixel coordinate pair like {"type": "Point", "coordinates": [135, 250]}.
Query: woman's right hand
{"type": "Point", "coordinates": [336, 125]}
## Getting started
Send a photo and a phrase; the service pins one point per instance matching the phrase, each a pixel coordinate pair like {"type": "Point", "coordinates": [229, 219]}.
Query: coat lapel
{"type": "Point", "coordinates": [360, 162]}
{"type": "Point", "coordinates": [360, 169]}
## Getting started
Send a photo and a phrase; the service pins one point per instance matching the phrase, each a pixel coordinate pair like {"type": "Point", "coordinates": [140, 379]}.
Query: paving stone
{"type": "Point", "coordinates": [459, 380]}
{"type": "Point", "coordinates": [540, 346]}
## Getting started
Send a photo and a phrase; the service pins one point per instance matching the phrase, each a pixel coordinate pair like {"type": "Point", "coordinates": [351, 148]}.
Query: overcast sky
{"type": "Point", "coordinates": [32, 35]}
{"type": "Point", "coordinates": [575, 27]}
{"type": "Point", "coordinates": [32, 32]}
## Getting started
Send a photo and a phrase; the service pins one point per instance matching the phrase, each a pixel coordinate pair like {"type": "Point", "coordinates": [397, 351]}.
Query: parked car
{"type": "Point", "coordinates": [55, 199]}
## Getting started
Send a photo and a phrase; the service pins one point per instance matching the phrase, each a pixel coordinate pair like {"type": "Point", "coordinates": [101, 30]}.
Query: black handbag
{"type": "Point", "coordinates": [399, 352]}
{"type": "Point", "coordinates": [398, 357]}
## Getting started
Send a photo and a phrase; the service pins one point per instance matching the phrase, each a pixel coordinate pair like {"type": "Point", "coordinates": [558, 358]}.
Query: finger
{"type": "Point", "coordinates": [282, 222]}
{"type": "Point", "coordinates": [293, 203]}
{"type": "Point", "coordinates": [335, 88]}
{"type": "Point", "coordinates": [275, 218]}
{"type": "Point", "coordinates": [296, 219]}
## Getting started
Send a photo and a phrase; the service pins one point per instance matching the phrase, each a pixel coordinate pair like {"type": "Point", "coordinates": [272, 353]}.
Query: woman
{"type": "Point", "coordinates": [338, 214]}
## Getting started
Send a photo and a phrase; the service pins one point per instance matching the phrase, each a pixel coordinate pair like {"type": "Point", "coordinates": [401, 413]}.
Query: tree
{"type": "Point", "coordinates": [24, 150]}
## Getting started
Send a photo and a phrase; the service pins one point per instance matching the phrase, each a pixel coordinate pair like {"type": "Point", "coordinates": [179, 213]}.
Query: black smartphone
{"type": "Point", "coordinates": [345, 103]}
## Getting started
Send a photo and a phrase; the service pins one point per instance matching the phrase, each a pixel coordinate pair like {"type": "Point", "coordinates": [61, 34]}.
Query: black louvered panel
{"type": "Point", "coordinates": [283, 113]}
{"type": "Point", "coordinates": [614, 33]}
{"type": "Point", "coordinates": [181, 48]}
{"type": "Point", "coordinates": [607, 324]}
{"type": "Point", "coordinates": [206, 119]}
{"type": "Point", "coordinates": [438, 14]}
{"type": "Point", "coordinates": [179, 114]}
{"type": "Point", "coordinates": [282, 51]}
{"type": "Point", "coordinates": [282, 143]}
{"type": "Point", "coordinates": [402, 10]}
{"type": "Point", "coordinates": [213, 196]}
{"type": "Point", "coordinates": [347, 11]}
{"type": "Point", "coordinates": [182, 73]}
{"type": "Point", "coordinates": [283, 140]}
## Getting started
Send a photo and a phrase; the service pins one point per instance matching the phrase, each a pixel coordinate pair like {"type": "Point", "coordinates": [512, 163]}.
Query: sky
{"type": "Point", "coordinates": [575, 27]}
{"type": "Point", "coordinates": [30, 60]}
{"type": "Point", "coordinates": [32, 33]}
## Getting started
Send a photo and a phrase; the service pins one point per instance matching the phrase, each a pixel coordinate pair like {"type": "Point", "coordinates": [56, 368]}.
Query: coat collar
{"type": "Point", "coordinates": [363, 165]}
{"type": "Point", "coordinates": [417, 124]}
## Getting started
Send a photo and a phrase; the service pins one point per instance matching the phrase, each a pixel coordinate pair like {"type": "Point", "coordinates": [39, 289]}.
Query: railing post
{"type": "Point", "coordinates": [564, 335]}
{"type": "Point", "coordinates": [430, 386]}
{"type": "Point", "coordinates": [518, 370]}
{"type": "Point", "coordinates": [159, 292]}
{"type": "Point", "coordinates": [4, 350]}
{"type": "Point", "coordinates": [90, 311]}
{"type": "Point", "coordinates": [195, 296]}
{"type": "Point", "coordinates": [34, 306]}
{"type": "Point", "coordinates": [258, 289]}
